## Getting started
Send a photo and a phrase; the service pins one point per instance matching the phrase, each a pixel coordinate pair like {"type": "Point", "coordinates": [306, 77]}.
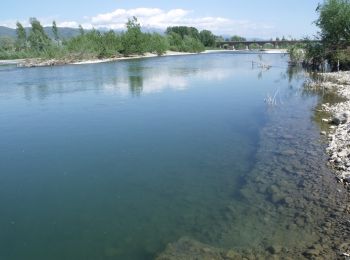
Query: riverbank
{"type": "Point", "coordinates": [38, 62]}
{"type": "Point", "coordinates": [338, 133]}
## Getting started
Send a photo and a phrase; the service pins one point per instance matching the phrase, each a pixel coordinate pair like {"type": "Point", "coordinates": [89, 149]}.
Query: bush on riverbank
{"type": "Point", "coordinates": [334, 24]}
{"type": "Point", "coordinates": [94, 44]}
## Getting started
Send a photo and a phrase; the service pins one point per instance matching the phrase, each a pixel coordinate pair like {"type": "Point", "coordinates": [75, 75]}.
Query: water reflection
{"type": "Point", "coordinates": [126, 78]}
{"type": "Point", "coordinates": [136, 85]}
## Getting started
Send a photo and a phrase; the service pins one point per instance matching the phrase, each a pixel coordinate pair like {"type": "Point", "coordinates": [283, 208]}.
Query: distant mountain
{"type": "Point", "coordinates": [64, 33]}
{"type": "Point", "coordinates": [7, 32]}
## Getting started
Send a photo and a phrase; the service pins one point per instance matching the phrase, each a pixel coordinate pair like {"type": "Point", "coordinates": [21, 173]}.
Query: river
{"type": "Point", "coordinates": [117, 160]}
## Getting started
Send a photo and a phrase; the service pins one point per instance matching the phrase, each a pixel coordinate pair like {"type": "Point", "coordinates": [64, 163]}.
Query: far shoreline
{"type": "Point", "coordinates": [37, 62]}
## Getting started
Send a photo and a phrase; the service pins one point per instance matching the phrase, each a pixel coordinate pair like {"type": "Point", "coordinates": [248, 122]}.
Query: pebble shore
{"type": "Point", "coordinates": [339, 122]}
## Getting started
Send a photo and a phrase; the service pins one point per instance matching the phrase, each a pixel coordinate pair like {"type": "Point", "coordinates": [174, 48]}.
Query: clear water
{"type": "Point", "coordinates": [115, 160]}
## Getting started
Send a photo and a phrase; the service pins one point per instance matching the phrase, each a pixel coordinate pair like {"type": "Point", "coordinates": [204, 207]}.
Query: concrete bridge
{"type": "Point", "coordinates": [276, 44]}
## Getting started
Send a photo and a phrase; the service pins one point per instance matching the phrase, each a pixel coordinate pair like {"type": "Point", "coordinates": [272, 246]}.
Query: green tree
{"type": "Point", "coordinates": [184, 31]}
{"type": "Point", "coordinates": [133, 38]}
{"type": "Point", "coordinates": [55, 31]}
{"type": "Point", "coordinates": [207, 38]}
{"type": "Point", "coordinates": [236, 38]}
{"type": "Point", "coordinates": [192, 45]}
{"type": "Point", "coordinates": [38, 39]}
{"type": "Point", "coordinates": [21, 42]}
{"type": "Point", "coordinates": [175, 41]}
{"type": "Point", "coordinates": [334, 22]}
{"type": "Point", "coordinates": [81, 30]}
{"type": "Point", "coordinates": [159, 44]}
{"type": "Point", "coordinates": [7, 43]}
{"type": "Point", "coordinates": [112, 43]}
{"type": "Point", "coordinates": [219, 39]}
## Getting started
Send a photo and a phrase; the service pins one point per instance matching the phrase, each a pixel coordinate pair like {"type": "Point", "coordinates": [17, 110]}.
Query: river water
{"type": "Point", "coordinates": [117, 160]}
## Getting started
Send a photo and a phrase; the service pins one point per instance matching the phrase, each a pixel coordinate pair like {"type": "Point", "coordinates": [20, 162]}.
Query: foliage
{"type": "Point", "coordinates": [81, 30]}
{"type": "Point", "coordinates": [191, 44]}
{"type": "Point", "coordinates": [296, 53]}
{"type": "Point", "coordinates": [315, 53]}
{"type": "Point", "coordinates": [219, 39]}
{"type": "Point", "coordinates": [343, 56]}
{"type": "Point", "coordinates": [240, 46]}
{"type": "Point", "coordinates": [188, 39]}
{"type": "Point", "coordinates": [334, 24]}
{"type": "Point", "coordinates": [133, 38]}
{"type": "Point", "coordinates": [254, 46]}
{"type": "Point", "coordinates": [38, 40]}
{"type": "Point", "coordinates": [184, 31]}
{"type": "Point", "coordinates": [158, 44]}
{"type": "Point", "coordinates": [7, 44]}
{"type": "Point", "coordinates": [187, 44]}
{"type": "Point", "coordinates": [207, 38]}
{"type": "Point", "coordinates": [237, 38]}
{"type": "Point", "coordinates": [55, 31]}
{"type": "Point", "coordinates": [21, 42]}
{"type": "Point", "coordinates": [93, 44]}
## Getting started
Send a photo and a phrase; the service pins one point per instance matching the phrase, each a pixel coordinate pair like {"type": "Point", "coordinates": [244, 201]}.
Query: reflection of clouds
{"type": "Point", "coordinates": [158, 83]}
{"type": "Point", "coordinates": [156, 80]}
{"type": "Point", "coordinates": [214, 74]}
{"type": "Point", "coordinates": [121, 78]}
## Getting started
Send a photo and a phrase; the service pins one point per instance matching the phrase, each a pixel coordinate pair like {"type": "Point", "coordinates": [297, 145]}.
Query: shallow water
{"type": "Point", "coordinates": [116, 160]}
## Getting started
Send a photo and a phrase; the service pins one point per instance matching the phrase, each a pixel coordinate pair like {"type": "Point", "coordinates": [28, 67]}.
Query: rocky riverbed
{"type": "Point", "coordinates": [338, 132]}
{"type": "Point", "coordinates": [304, 212]}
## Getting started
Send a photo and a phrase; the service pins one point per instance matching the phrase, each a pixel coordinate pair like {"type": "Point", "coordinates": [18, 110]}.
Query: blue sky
{"type": "Point", "coordinates": [253, 18]}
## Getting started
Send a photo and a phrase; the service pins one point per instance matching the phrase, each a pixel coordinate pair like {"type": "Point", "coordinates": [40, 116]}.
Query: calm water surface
{"type": "Point", "coordinates": [115, 160]}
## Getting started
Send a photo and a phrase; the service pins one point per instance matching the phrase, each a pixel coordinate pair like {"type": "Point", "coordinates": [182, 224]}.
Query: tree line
{"type": "Point", "coordinates": [96, 44]}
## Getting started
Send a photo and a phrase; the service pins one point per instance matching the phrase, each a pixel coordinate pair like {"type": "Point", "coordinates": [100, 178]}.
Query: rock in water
{"type": "Point", "coordinates": [340, 119]}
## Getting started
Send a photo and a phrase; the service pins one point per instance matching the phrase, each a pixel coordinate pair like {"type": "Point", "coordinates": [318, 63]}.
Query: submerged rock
{"type": "Point", "coordinates": [274, 249]}
{"type": "Point", "coordinates": [189, 249]}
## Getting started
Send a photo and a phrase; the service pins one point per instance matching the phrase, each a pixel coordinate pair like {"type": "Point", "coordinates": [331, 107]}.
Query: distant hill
{"type": "Point", "coordinates": [64, 33]}
{"type": "Point", "coordinates": [7, 32]}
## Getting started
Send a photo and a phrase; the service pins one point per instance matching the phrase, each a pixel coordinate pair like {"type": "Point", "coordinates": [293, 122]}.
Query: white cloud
{"type": "Point", "coordinates": [161, 19]}
{"type": "Point", "coordinates": [71, 24]}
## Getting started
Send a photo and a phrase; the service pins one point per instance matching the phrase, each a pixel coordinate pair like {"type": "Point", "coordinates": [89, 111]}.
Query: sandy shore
{"type": "Point", "coordinates": [146, 55]}
{"type": "Point", "coordinates": [339, 122]}
{"type": "Point", "coordinates": [54, 62]}
{"type": "Point", "coordinates": [11, 62]}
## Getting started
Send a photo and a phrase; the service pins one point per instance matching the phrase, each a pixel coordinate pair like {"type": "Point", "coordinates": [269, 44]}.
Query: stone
{"type": "Point", "coordinates": [340, 119]}
{"type": "Point", "coordinates": [311, 253]}
{"type": "Point", "coordinates": [274, 249]}
{"type": "Point", "coordinates": [231, 254]}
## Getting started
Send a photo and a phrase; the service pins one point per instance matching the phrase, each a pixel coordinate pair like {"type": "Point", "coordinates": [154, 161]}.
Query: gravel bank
{"type": "Point", "coordinates": [339, 122]}
{"type": "Point", "coordinates": [28, 63]}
